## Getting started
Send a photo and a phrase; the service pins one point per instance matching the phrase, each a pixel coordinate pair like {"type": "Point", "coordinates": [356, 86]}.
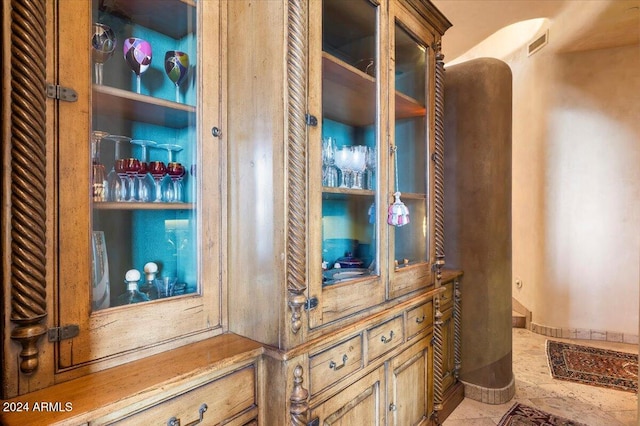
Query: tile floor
{"type": "Point", "coordinates": [535, 387]}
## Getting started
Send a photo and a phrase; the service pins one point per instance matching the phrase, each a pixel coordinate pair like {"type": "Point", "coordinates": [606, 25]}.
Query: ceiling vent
{"type": "Point", "coordinates": [538, 43]}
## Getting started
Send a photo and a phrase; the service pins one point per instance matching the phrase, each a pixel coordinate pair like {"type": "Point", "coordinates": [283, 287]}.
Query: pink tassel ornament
{"type": "Point", "coordinates": [398, 212]}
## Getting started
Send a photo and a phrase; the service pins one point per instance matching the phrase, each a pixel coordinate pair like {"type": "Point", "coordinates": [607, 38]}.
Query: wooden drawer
{"type": "Point", "coordinates": [419, 319]}
{"type": "Point", "coordinates": [383, 338]}
{"type": "Point", "coordinates": [225, 398]}
{"type": "Point", "coordinates": [446, 298]}
{"type": "Point", "coordinates": [331, 365]}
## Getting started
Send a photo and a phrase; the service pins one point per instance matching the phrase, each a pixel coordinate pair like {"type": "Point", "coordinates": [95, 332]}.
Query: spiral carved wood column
{"type": "Point", "coordinates": [439, 159]}
{"type": "Point", "coordinates": [28, 179]}
{"type": "Point", "coordinates": [296, 151]}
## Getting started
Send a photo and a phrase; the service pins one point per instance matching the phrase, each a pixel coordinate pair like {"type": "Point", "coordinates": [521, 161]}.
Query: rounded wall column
{"type": "Point", "coordinates": [478, 98]}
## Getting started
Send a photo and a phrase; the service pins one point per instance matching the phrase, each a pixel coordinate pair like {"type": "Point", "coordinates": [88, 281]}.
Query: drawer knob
{"type": "Point", "coordinates": [385, 339]}
{"type": "Point", "coordinates": [420, 320]}
{"type": "Point", "coordinates": [174, 421]}
{"type": "Point", "coordinates": [336, 367]}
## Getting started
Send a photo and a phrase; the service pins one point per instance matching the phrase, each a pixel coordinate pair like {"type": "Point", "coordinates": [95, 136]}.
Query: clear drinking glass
{"type": "Point", "coordinates": [98, 172]}
{"type": "Point", "coordinates": [103, 44]}
{"type": "Point", "coordinates": [117, 187]}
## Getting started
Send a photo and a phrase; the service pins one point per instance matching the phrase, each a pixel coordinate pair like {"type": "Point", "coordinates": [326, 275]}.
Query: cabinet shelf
{"type": "Point", "coordinates": [342, 193]}
{"type": "Point", "coordinates": [142, 206]}
{"type": "Point", "coordinates": [175, 18]}
{"type": "Point", "coordinates": [135, 107]}
{"type": "Point", "coordinates": [349, 95]}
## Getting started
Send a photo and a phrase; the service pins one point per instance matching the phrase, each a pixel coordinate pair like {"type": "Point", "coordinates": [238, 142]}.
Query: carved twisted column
{"type": "Point", "coordinates": [439, 159]}
{"type": "Point", "coordinates": [437, 358]}
{"type": "Point", "coordinates": [28, 179]}
{"type": "Point", "coordinates": [457, 339]}
{"type": "Point", "coordinates": [299, 400]}
{"type": "Point", "coordinates": [296, 149]}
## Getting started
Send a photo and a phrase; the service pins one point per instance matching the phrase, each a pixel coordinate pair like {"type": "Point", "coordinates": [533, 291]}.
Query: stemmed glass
{"type": "Point", "coordinates": [131, 167]}
{"type": "Point", "coordinates": [343, 162]}
{"type": "Point", "coordinates": [370, 161]}
{"type": "Point", "coordinates": [176, 172]}
{"type": "Point", "coordinates": [176, 65]}
{"type": "Point", "coordinates": [145, 182]}
{"type": "Point", "coordinates": [329, 171]}
{"type": "Point", "coordinates": [168, 192]}
{"type": "Point", "coordinates": [103, 44]}
{"type": "Point", "coordinates": [117, 186]}
{"type": "Point", "coordinates": [158, 170]}
{"type": "Point", "coordinates": [357, 165]}
{"type": "Point", "coordinates": [137, 53]}
{"type": "Point", "coordinates": [98, 173]}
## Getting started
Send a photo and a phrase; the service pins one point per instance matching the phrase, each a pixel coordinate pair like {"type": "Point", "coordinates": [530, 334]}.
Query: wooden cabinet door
{"type": "Point", "coordinates": [448, 362]}
{"type": "Point", "coordinates": [182, 235]}
{"type": "Point", "coordinates": [362, 403]}
{"type": "Point", "coordinates": [409, 385]}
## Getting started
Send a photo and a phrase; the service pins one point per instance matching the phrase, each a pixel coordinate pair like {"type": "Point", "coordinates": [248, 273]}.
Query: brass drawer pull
{"type": "Point", "coordinates": [174, 421]}
{"type": "Point", "coordinates": [384, 339]}
{"type": "Point", "coordinates": [336, 367]}
{"type": "Point", "coordinates": [420, 320]}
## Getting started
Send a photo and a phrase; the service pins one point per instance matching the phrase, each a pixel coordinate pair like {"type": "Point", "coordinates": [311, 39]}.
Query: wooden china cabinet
{"type": "Point", "coordinates": [201, 225]}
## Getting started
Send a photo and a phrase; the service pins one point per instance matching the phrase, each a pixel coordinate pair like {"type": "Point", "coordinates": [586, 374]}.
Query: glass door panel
{"type": "Point", "coordinates": [410, 156]}
{"type": "Point", "coordinates": [144, 152]}
{"type": "Point", "coordinates": [350, 135]}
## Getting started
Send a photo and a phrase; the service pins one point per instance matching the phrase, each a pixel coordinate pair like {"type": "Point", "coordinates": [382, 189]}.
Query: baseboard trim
{"type": "Point", "coordinates": [490, 395]}
{"type": "Point", "coordinates": [584, 334]}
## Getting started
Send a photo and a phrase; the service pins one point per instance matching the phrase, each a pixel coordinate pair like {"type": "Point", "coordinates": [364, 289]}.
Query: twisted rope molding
{"type": "Point", "coordinates": [457, 327]}
{"type": "Point", "coordinates": [439, 158]}
{"type": "Point", "coordinates": [296, 149]}
{"type": "Point", "coordinates": [28, 179]}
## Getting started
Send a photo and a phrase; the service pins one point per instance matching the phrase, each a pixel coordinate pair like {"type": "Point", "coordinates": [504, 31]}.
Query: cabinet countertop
{"type": "Point", "coordinates": [96, 394]}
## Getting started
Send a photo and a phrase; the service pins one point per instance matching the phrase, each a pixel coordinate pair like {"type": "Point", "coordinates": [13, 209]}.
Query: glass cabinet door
{"type": "Point", "coordinates": [148, 191]}
{"type": "Point", "coordinates": [410, 168]}
{"type": "Point", "coordinates": [349, 235]}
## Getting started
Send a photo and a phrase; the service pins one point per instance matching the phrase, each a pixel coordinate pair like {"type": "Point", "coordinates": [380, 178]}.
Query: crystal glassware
{"type": "Point", "coordinates": [101, 289]}
{"type": "Point", "coordinates": [120, 167]}
{"type": "Point", "coordinates": [103, 44]}
{"type": "Point", "coordinates": [117, 187]}
{"type": "Point", "coordinates": [370, 162]}
{"type": "Point", "coordinates": [165, 286]}
{"type": "Point", "coordinates": [358, 165]}
{"type": "Point", "coordinates": [145, 185]}
{"type": "Point", "coordinates": [176, 172]}
{"type": "Point", "coordinates": [329, 170]}
{"type": "Point", "coordinates": [158, 170]}
{"type": "Point", "coordinates": [98, 173]}
{"type": "Point", "coordinates": [176, 65]}
{"type": "Point", "coordinates": [343, 162]}
{"type": "Point", "coordinates": [132, 295]}
{"type": "Point", "coordinates": [132, 167]}
{"type": "Point", "coordinates": [137, 54]}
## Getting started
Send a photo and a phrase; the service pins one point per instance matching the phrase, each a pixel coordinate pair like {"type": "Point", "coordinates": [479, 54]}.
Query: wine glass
{"type": "Point", "coordinates": [98, 173]}
{"type": "Point", "coordinates": [171, 148]}
{"type": "Point", "coordinates": [176, 172]}
{"type": "Point", "coordinates": [370, 161]}
{"type": "Point", "coordinates": [358, 165]}
{"type": "Point", "coordinates": [158, 170]}
{"type": "Point", "coordinates": [176, 65]}
{"type": "Point", "coordinates": [145, 181]}
{"type": "Point", "coordinates": [120, 167]}
{"type": "Point", "coordinates": [131, 167]}
{"type": "Point", "coordinates": [117, 186]}
{"type": "Point", "coordinates": [329, 172]}
{"type": "Point", "coordinates": [103, 44]}
{"type": "Point", "coordinates": [342, 160]}
{"type": "Point", "coordinates": [137, 53]}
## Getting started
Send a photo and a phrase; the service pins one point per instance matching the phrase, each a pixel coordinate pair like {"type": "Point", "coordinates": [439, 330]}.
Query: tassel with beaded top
{"type": "Point", "coordinates": [398, 212]}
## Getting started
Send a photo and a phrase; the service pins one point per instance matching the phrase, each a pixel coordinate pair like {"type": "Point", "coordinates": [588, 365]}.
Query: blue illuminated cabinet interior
{"type": "Point", "coordinates": [147, 177]}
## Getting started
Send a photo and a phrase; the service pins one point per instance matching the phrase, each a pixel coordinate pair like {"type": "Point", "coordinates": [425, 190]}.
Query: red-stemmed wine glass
{"type": "Point", "coordinates": [132, 166]}
{"type": "Point", "coordinates": [158, 170]}
{"type": "Point", "coordinates": [176, 172]}
{"type": "Point", "coordinates": [120, 167]}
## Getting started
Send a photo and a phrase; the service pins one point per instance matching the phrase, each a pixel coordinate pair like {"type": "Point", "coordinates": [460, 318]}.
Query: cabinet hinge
{"type": "Point", "coordinates": [62, 93]}
{"type": "Point", "coordinates": [311, 120]}
{"type": "Point", "coordinates": [57, 334]}
{"type": "Point", "coordinates": [311, 303]}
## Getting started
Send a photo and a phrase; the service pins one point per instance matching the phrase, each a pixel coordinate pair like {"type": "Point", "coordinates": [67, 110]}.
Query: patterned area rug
{"type": "Point", "coordinates": [523, 415]}
{"type": "Point", "coordinates": [593, 366]}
